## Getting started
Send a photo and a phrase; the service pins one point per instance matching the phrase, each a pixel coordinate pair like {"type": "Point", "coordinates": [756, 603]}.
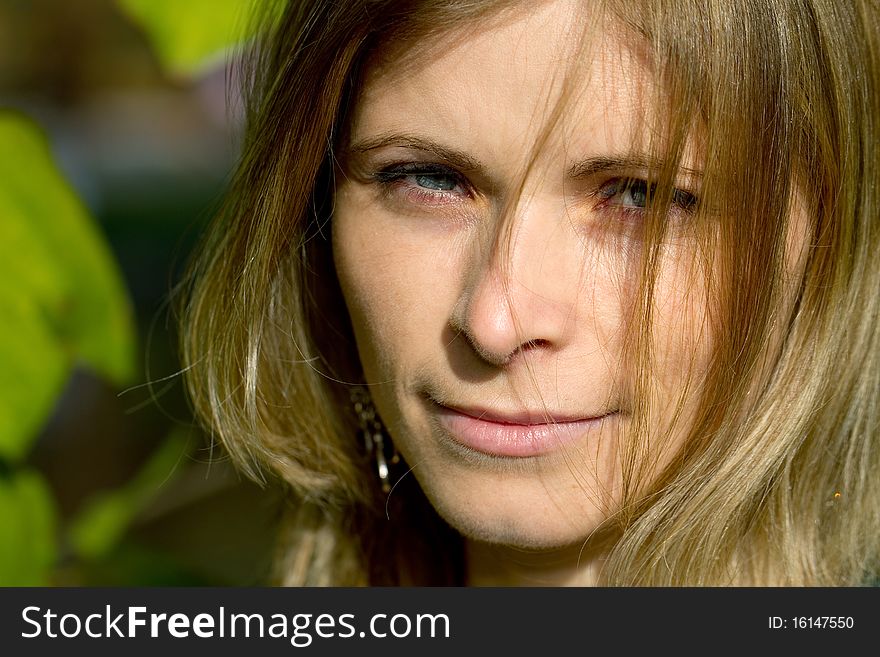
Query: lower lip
{"type": "Point", "coordinates": [513, 440]}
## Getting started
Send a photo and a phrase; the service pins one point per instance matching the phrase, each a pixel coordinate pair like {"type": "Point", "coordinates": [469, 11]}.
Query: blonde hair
{"type": "Point", "coordinates": [777, 481]}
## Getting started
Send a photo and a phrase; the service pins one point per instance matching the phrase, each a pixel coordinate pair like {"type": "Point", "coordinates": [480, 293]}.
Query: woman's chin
{"type": "Point", "coordinates": [516, 516]}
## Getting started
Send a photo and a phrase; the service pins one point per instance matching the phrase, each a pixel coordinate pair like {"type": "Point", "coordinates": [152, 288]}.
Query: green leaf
{"type": "Point", "coordinates": [35, 367]}
{"type": "Point", "coordinates": [27, 531]}
{"type": "Point", "coordinates": [62, 300]}
{"type": "Point", "coordinates": [189, 35]}
{"type": "Point", "coordinates": [98, 528]}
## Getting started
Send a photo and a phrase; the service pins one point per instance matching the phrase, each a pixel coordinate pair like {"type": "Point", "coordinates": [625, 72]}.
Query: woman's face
{"type": "Point", "coordinates": [490, 275]}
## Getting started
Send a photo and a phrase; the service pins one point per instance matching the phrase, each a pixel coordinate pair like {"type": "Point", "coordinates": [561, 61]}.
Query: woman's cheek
{"type": "Point", "coordinates": [398, 282]}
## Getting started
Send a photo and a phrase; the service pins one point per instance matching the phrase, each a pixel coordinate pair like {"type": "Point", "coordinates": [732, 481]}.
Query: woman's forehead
{"type": "Point", "coordinates": [498, 85]}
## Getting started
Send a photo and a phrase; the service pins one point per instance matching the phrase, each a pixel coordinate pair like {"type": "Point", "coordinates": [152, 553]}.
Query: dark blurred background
{"type": "Point", "coordinates": [149, 153]}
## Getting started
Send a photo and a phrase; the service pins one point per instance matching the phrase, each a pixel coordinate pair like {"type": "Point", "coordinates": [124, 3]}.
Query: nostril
{"type": "Point", "coordinates": [497, 357]}
{"type": "Point", "coordinates": [533, 344]}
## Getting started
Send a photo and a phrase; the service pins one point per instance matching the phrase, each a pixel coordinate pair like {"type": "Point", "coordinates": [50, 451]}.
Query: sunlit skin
{"type": "Point", "coordinates": [490, 307]}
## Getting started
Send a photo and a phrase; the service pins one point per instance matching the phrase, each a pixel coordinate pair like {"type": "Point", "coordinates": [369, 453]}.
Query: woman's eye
{"type": "Point", "coordinates": [436, 181]}
{"type": "Point", "coordinates": [429, 178]}
{"type": "Point", "coordinates": [423, 184]}
{"type": "Point", "coordinates": [626, 193]}
{"type": "Point", "coordinates": [636, 194]}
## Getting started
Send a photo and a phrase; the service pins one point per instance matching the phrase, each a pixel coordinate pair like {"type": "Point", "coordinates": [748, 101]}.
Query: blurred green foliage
{"type": "Point", "coordinates": [99, 526]}
{"type": "Point", "coordinates": [28, 532]}
{"type": "Point", "coordinates": [61, 294]}
{"type": "Point", "coordinates": [63, 305]}
{"type": "Point", "coordinates": [187, 35]}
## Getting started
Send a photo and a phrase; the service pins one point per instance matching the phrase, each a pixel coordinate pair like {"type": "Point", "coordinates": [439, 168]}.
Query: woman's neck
{"type": "Point", "coordinates": [497, 565]}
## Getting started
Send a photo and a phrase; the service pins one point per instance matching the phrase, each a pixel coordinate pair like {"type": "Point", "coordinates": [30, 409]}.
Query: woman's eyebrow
{"type": "Point", "coordinates": [464, 162]}
{"type": "Point", "coordinates": [456, 158]}
{"type": "Point", "coordinates": [623, 163]}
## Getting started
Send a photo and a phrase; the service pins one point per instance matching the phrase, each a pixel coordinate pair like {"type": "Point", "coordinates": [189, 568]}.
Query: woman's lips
{"type": "Point", "coordinates": [513, 434]}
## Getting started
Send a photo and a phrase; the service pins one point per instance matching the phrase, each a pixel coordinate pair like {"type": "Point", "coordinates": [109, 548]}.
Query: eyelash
{"type": "Point", "coordinates": [394, 177]}
{"type": "Point", "coordinates": [682, 201]}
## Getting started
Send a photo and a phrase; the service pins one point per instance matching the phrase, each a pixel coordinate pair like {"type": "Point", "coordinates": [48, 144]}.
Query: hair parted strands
{"type": "Point", "coordinates": [777, 480]}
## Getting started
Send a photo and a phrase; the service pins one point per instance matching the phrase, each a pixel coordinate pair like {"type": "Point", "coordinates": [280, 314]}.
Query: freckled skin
{"type": "Point", "coordinates": [523, 311]}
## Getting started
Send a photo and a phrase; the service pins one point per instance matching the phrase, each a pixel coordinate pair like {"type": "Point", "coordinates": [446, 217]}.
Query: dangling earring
{"type": "Point", "coordinates": [375, 440]}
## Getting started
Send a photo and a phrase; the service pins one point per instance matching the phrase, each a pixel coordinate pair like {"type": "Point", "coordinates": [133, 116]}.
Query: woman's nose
{"type": "Point", "coordinates": [522, 294]}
